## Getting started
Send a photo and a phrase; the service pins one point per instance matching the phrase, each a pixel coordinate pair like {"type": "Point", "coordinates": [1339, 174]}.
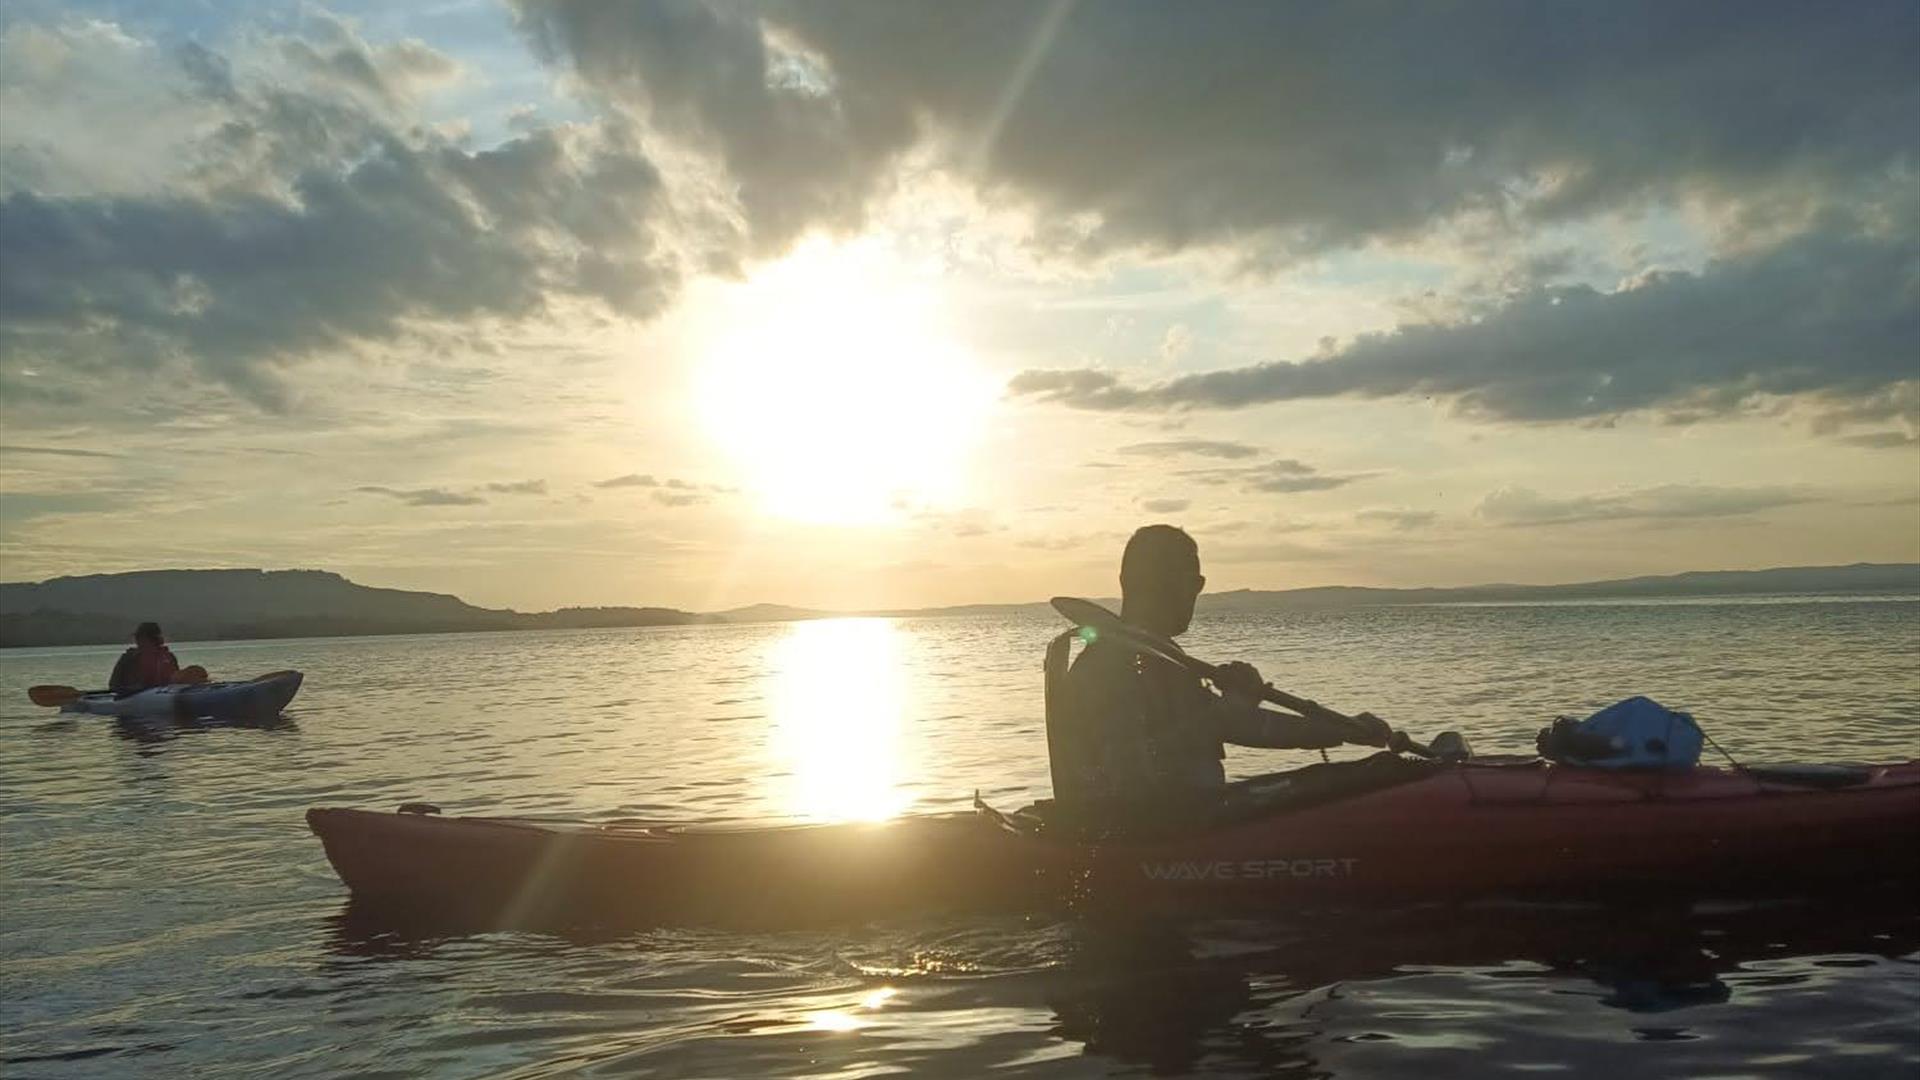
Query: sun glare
{"type": "Point", "coordinates": [830, 383]}
{"type": "Point", "coordinates": [838, 705]}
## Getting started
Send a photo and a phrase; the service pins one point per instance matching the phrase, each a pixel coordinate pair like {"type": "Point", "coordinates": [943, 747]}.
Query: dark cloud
{"type": "Point", "coordinates": [1400, 520]}
{"type": "Point", "coordinates": [1883, 440]}
{"type": "Point", "coordinates": [424, 496]}
{"type": "Point", "coordinates": [320, 223]}
{"type": "Point", "coordinates": [1197, 447]}
{"type": "Point", "coordinates": [800, 148]}
{"type": "Point", "coordinates": [1284, 128]}
{"type": "Point", "coordinates": [1165, 506]}
{"type": "Point", "coordinates": [1146, 124]}
{"type": "Point", "coordinates": [1828, 312]}
{"type": "Point", "coordinates": [519, 487]}
{"type": "Point", "coordinates": [1523, 506]}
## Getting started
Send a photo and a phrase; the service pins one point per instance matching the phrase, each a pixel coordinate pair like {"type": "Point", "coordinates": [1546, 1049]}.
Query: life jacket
{"type": "Point", "coordinates": [1142, 745]}
{"type": "Point", "coordinates": [155, 665]}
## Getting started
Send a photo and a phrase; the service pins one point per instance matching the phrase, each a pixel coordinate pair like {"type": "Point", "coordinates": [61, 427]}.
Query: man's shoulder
{"type": "Point", "coordinates": [1101, 657]}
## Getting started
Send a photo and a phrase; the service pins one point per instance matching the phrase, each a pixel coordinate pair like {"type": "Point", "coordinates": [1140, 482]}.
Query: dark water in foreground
{"type": "Point", "coordinates": [166, 913]}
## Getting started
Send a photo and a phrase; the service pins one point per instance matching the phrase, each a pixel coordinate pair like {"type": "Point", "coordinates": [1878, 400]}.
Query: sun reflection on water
{"type": "Point", "coordinates": [838, 705]}
{"type": "Point", "coordinates": [850, 1019]}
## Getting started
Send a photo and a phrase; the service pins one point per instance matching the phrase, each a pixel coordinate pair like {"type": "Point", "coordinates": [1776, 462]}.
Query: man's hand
{"type": "Point", "coordinates": [1239, 681]}
{"type": "Point", "coordinates": [1369, 730]}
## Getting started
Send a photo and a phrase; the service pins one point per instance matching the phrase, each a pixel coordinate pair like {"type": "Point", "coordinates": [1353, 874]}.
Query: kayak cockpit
{"type": "Point", "coordinates": [1251, 799]}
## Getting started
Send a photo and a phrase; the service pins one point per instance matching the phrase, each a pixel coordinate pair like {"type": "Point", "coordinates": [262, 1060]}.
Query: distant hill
{"type": "Point", "coordinates": [207, 605]}
{"type": "Point", "coordinates": [1858, 578]}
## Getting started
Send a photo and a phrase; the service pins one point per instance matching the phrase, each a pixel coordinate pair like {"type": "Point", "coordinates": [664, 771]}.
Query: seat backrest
{"type": "Point", "coordinates": [1061, 723]}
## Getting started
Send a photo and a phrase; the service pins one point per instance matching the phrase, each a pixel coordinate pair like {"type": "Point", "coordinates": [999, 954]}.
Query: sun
{"type": "Point", "coordinates": [831, 384]}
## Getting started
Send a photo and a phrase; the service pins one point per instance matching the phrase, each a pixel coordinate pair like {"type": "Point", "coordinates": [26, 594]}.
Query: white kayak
{"type": "Point", "coordinates": [255, 699]}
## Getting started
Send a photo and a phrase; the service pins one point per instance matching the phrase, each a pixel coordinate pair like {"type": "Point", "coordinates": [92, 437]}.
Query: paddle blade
{"type": "Point", "coordinates": [1083, 612]}
{"type": "Point", "coordinates": [52, 696]}
{"type": "Point", "coordinates": [1096, 622]}
{"type": "Point", "coordinates": [193, 674]}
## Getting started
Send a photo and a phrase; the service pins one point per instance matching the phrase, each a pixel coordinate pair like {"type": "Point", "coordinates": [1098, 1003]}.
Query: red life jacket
{"type": "Point", "coordinates": [157, 667]}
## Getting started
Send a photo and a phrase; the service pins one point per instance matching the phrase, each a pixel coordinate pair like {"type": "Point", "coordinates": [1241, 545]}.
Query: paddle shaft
{"type": "Point", "coordinates": [1089, 614]}
{"type": "Point", "coordinates": [53, 695]}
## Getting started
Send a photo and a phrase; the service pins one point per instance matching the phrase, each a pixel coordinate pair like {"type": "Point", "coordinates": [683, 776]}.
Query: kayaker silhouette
{"type": "Point", "coordinates": [1128, 731]}
{"type": "Point", "coordinates": [149, 663]}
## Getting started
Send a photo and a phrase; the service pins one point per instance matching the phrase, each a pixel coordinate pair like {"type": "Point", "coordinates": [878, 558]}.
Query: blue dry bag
{"type": "Point", "coordinates": [1638, 733]}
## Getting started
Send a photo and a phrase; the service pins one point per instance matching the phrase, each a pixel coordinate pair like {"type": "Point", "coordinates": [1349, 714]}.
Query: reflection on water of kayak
{"type": "Point", "coordinates": [166, 913]}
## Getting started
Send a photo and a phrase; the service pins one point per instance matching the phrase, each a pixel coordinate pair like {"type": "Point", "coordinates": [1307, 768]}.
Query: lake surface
{"type": "Point", "coordinates": [165, 911]}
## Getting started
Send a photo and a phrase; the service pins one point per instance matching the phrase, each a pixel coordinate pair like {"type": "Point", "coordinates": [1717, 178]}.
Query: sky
{"type": "Point", "coordinates": [849, 305]}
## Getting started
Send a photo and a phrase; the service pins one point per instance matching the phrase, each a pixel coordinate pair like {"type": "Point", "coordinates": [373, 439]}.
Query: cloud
{"type": "Point", "coordinates": [1883, 440]}
{"type": "Point", "coordinates": [1272, 131]}
{"type": "Point", "coordinates": [1899, 403]}
{"type": "Point", "coordinates": [424, 496]}
{"type": "Point", "coordinates": [629, 480]}
{"type": "Point", "coordinates": [1059, 543]}
{"type": "Point", "coordinates": [1177, 342]}
{"type": "Point", "coordinates": [1279, 476]}
{"type": "Point", "coordinates": [670, 491]}
{"type": "Point", "coordinates": [520, 487]}
{"type": "Point", "coordinates": [795, 152]}
{"type": "Point", "coordinates": [1400, 520]}
{"type": "Point", "coordinates": [963, 523]}
{"type": "Point", "coordinates": [313, 218]}
{"type": "Point", "coordinates": [1165, 506]}
{"type": "Point", "coordinates": [1523, 506]}
{"type": "Point", "coordinates": [1167, 126]}
{"type": "Point", "coordinates": [58, 451]}
{"type": "Point", "coordinates": [1197, 447]}
{"type": "Point", "coordinates": [1834, 313]}
{"type": "Point", "coordinates": [19, 507]}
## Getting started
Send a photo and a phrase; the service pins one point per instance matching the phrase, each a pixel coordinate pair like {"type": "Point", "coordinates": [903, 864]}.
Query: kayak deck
{"type": "Point", "coordinates": [1439, 832]}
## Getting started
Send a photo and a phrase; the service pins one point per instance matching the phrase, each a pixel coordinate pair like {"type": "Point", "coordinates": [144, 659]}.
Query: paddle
{"type": "Point", "coordinates": [54, 696]}
{"type": "Point", "coordinates": [1091, 616]}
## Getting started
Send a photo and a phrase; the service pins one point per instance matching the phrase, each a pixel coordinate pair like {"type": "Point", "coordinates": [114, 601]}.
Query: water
{"type": "Point", "coordinates": [166, 912]}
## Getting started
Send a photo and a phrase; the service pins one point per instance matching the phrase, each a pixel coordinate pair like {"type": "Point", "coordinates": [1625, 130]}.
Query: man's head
{"type": "Point", "coordinates": [148, 633]}
{"type": "Point", "coordinates": [1160, 579]}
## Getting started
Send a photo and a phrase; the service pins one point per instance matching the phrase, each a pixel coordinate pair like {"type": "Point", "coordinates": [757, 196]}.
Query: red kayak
{"type": "Point", "coordinates": [1380, 829]}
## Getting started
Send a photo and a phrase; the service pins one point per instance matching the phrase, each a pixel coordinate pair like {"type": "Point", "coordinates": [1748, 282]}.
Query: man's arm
{"type": "Point", "coordinates": [124, 671]}
{"type": "Point", "coordinates": [1240, 719]}
{"type": "Point", "coordinates": [1245, 723]}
